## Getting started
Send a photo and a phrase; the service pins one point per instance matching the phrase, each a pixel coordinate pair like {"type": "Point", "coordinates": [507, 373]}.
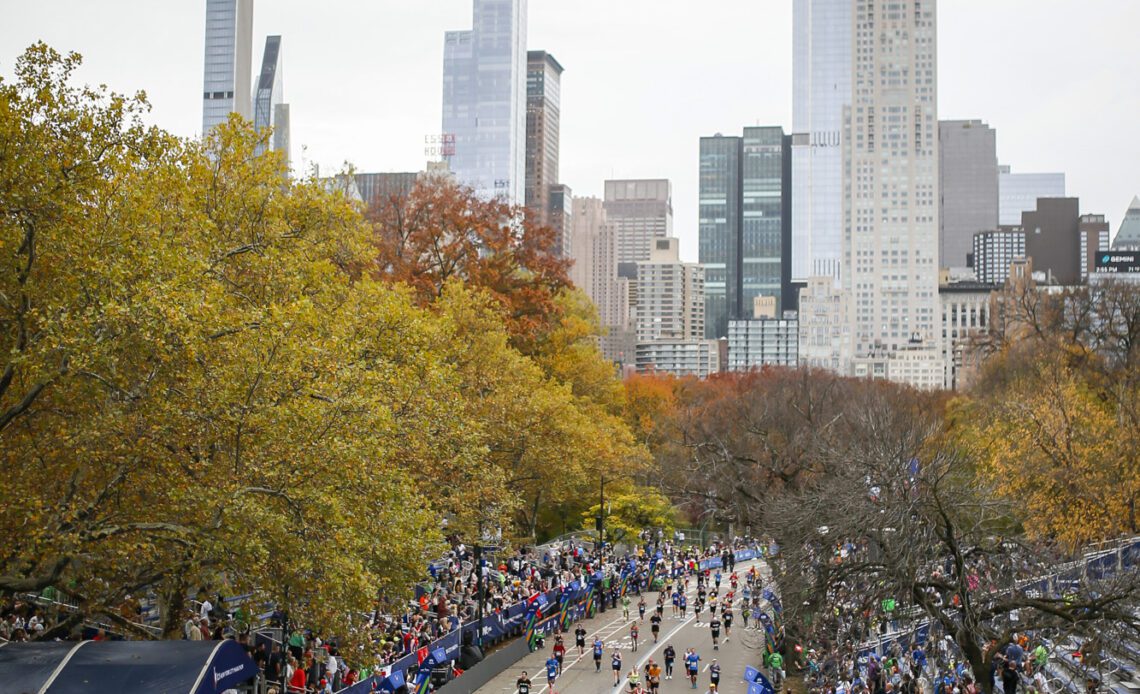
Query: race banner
{"type": "Point", "coordinates": [423, 675]}
{"type": "Point", "coordinates": [535, 606]}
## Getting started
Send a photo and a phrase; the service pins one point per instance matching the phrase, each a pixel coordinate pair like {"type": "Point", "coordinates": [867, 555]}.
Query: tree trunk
{"type": "Point", "coordinates": [172, 605]}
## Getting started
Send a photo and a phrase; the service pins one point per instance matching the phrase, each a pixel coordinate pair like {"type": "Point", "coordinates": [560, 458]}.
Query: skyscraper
{"type": "Point", "coordinates": [640, 211]}
{"type": "Point", "coordinates": [890, 145]}
{"type": "Point", "coordinates": [543, 89]}
{"type": "Point", "coordinates": [821, 88]}
{"type": "Point", "coordinates": [968, 204]}
{"type": "Point", "coordinates": [1018, 192]}
{"type": "Point", "coordinates": [269, 111]}
{"type": "Point", "coordinates": [484, 99]}
{"type": "Point", "coordinates": [228, 55]}
{"type": "Point", "coordinates": [744, 223]}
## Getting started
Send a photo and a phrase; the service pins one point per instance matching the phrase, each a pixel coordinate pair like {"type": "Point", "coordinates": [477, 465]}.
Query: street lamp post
{"type": "Point", "coordinates": [479, 591]}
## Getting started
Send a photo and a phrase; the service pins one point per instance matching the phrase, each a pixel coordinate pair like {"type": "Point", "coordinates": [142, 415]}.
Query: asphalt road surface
{"type": "Point", "coordinates": [744, 647]}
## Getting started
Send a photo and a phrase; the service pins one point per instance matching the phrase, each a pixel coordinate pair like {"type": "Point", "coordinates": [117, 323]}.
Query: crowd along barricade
{"type": "Point", "coordinates": [559, 612]}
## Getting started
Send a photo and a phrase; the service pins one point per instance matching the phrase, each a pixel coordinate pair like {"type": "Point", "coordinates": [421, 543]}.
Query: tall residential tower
{"type": "Point", "coordinates": [484, 99]}
{"type": "Point", "coordinates": [890, 162]}
{"type": "Point", "coordinates": [543, 103]}
{"type": "Point", "coordinates": [228, 57]}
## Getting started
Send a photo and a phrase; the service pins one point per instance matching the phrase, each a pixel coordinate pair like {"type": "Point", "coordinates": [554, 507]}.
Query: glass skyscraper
{"type": "Point", "coordinates": [228, 58]}
{"type": "Point", "coordinates": [484, 99]}
{"type": "Point", "coordinates": [744, 224]}
{"type": "Point", "coordinates": [821, 88]}
{"type": "Point", "coordinates": [269, 111]}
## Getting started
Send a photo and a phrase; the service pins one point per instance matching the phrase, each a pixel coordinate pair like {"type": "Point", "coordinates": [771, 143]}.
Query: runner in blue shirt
{"type": "Point", "coordinates": [615, 663]}
{"type": "Point", "coordinates": [692, 663]}
{"type": "Point", "coordinates": [683, 605]}
{"type": "Point", "coordinates": [551, 672]}
{"type": "Point", "coordinates": [598, 647]}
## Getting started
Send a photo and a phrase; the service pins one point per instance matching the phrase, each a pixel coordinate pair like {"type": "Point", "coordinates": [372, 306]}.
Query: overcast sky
{"type": "Point", "coordinates": [1058, 79]}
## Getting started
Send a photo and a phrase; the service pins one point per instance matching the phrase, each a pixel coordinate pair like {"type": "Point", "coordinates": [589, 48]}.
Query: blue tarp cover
{"type": "Point", "coordinates": [127, 667]}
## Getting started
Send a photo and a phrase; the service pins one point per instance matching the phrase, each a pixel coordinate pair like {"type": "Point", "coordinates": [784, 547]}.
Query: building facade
{"type": "Point", "coordinates": [698, 358]}
{"type": "Point", "coordinates": [484, 99]}
{"type": "Point", "coordinates": [543, 106]}
{"type": "Point", "coordinates": [825, 331]}
{"type": "Point", "coordinates": [994, 253]}
{"type": "Point", "coordinates": [1093, 233]}
{"type": "Point", "coordinates": [968, 187]}
{"type": "Point", "coordinates": [227, 85]}
{"type": "Point", "coordinates": [744, 223]}
{"type": "Point", "coordinates": [965, 316]}
{"type": "Point", "coordinates": [763, 342]}
{"type": "Point", "coordinates": [593, 252]}
{"type": "Point", "coordinates": [640, 212]}
{"type": "Point", "coordinates": [890, 144]}
{"type": "Point", "coordinates": [1018, 192]}
{"type": "Point", "coordinates": [821, 89]}
{"type": "Point", "coordinates": [670, 296]}
{"type": "Point", "coordinates": [1052, 233]}
{"type": "Point", "coordinates": [269, 109]}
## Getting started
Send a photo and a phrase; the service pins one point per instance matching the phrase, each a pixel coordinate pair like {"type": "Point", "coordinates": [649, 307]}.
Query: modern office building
{"type": "Point", "coordinates": [670, 296]}
{"type": "Point", "coordinates": [968, 187]}
{"type": "Point", "coordinates": [269, 109]}
{"type": "Point", "coordinates": [965, 308]}
{"type": "Point", "coordinates": [994, 253]}
{"type": "Point", "coordinates": [1128, 235]}
{"type": "Point", "coordinates": [760, 342]}
{"type": "Point", "coordinates": [1018, 192]}
{"type": "Point", "coordinates": [377, 189]}
{"type": "Point", "coordinates": [640, 212]}
{"type": "Point", "coordinates": [821, 89]}
{"type": "Point", "coordinates": [744, 223]}
{"type": "Point", "coordinates": [484, 99]}
{"type": "Point", "coordinates": [890, 144]}
{"type": "Point", "coordinates": [543, 102]}
{"type": "Point", "coordinates": [228, 61]}
{"type": "Point", "coordinates": [1093, 233]}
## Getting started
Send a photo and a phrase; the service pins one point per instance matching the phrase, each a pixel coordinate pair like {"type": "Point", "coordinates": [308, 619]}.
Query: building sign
{"type": "Point", "coordinates": [825, 138]}
{"type": "Point", "coordinates": [441, 145]}
{"type": "Point", "coordinates": [1118, 262]}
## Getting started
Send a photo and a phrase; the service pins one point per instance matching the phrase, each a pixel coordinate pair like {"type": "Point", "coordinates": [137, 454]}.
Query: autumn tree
{"type": "Point", "coordinates": [443, 231]}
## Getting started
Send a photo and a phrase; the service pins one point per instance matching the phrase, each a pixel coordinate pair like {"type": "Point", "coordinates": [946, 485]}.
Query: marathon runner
{"type": "Point", "coordinates": [670, 655]}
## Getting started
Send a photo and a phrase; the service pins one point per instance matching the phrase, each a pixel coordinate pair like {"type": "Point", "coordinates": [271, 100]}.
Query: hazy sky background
{"type": "Point", "coordinates": [1058, 79]}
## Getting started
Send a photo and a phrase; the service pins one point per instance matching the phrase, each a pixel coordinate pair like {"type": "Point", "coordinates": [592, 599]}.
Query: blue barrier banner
{"type": "Point", "coordinates": [750, 673]}
{"type": "Point", "coordinates": [763, 686]}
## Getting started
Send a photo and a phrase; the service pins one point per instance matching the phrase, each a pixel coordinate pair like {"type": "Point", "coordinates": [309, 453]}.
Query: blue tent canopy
{"type": "Point", "coordinates": [194, 667]}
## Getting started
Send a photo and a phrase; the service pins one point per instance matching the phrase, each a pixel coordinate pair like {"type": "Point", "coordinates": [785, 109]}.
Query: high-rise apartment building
{"type": "Point", "coordinates": [821, 89]}
{"type": "Point", "coordinates": [968, 187]}
{"type": "Point", "coordinates": [965, 308]}
{"type": "Point", "coordinates": [1093, 233]}
{"type": "Point", "coordinates": [890, 144]}
{"type": "Point", "coordinates": [669, 315]}
{"type": "Point", "coordinates": [543, 102]}
{"type": "Point", "coordinates": [1128, 235]}
{"type": "Point", "coordinates": [640, 212]}
{"type": "Point", "coordinates": [994, 253]}
{"type": "Point", "coordinates": [593, 250]}
{"type": "Point", "coordinates": [269, 109]}
{"type": "Point", "coordinates": [559, 211]}
{"type": "Point", "coordinates": [670, 296]}
{"type": "Point", "coordinates": [228, 61]}
{"type": "Point", "coordinates": [744, 223]}
{"type": "Point", "coordinates": [762, 342]}
{"type": "Point", "coordinates": [484, 99]}
{"type": "Point", "coordinates": [1018, 192]}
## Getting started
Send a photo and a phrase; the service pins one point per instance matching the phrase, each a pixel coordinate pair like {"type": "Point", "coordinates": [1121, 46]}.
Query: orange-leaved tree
{"type": "Point", "coordinates": [443, 231]}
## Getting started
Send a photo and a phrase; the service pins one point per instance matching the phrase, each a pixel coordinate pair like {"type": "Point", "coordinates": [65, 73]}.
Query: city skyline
{"type": "Point", "coordinates": [1037, 103]}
